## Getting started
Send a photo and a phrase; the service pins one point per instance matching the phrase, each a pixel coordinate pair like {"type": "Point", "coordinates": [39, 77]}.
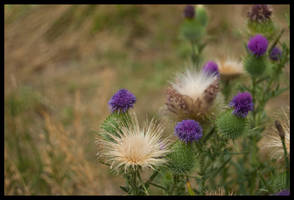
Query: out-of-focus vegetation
{"type": "Point", "coordinates": [64, 62]}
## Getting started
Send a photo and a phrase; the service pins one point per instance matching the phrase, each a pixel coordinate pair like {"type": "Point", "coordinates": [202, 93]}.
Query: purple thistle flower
{"type": "Point", "coordinates": [242, 104]}
{"type": "Point", "coordinates": [211, 68]}
{"type": "Point", "coordinates": [275, 54]}
{"type": "Point", "coordinates": [260, 13]}
{"type": "Point", "coordinates": [122, 100]}
{"type": "Point", "coordinates": [189, 12]}
{"type": "Point", "coordinates": [283, 193]}
{"type": "Point", "coordinates": [258, 45]}
{"type": "Point", "coordinates": [188, 130]}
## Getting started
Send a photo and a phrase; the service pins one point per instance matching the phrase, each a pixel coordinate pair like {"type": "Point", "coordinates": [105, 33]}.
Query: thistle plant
{"type": "Point", "coordinates": [193, 30]}
{"type": "Point", "coordinates": [217, 125]}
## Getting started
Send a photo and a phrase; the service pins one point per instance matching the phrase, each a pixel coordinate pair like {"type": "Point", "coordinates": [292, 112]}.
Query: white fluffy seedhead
{"type": "Point", "coordinates": [192, 95]}
{"type": "Point", "coordinates": [134, 146]}
{"type": "Point", "coordinates": [272, 142]}
{"type": "Point", "coordinates": [230, 68]}
{"type": "Point", "coordinates": [193, 83]}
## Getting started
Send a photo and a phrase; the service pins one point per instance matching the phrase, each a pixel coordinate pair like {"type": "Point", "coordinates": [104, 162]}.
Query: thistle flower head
{"type": "Point", "coordinates": [189, 12]}
{"type": "Point", "coordinates": [134, 146]}
{"type": "Point", "coordinates": [260, 13]}
{"type": "Point", "coordinates": [211, 68]}
{"type": "Point", "coordinates": [275, 54]}
{"type": "Point", "coordinates": [188, 130]}
{"type": "Point", "coordinates": [283, 193]}
{"type": "Point", "coordinates": [122, 100]}
{"type": "Point", "coordinates": [272, 142]}
{"type": "Point", "coordinates": [258, 45]}
{"type": "Point", "coordinates": [242, 104]}
{"type": "Point", "coordinates": [192, 94]}
{"type": "Point", "coordinates": [230, 69]}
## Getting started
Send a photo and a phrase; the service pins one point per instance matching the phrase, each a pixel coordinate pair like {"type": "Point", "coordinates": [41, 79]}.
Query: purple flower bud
{"type": "Point", "coordinates": [260, 13]}
{"type": "Point", "coordinates": [275, 54]}
{"type": "Point", "coordinates": [242, 104]}
{"type": "Point", "coordinates": [122, 100]}
{"type": "Point", "coordinates": [211, 68]}
{"type": "Point", "coordinates": [283, 193]}
{"type": "Point", "coordinates": [258, 45]}
{"type": "Point", "coordinates": [188, 130]}
{"type": "Point", "coordinates": [189, 12]}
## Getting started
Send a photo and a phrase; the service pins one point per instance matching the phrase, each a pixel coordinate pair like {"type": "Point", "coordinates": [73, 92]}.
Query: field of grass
{"type": "Point", "coordinates": [64, 62]}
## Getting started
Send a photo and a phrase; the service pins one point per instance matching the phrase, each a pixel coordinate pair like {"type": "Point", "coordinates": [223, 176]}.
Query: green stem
{"type": "Point", "coordinates": [159, 186]}
{"type": "Point", "coordinates": [287, 163]}
{"type": "Point", "coordinates": [226, 89]}
{"type": "Point", "coordinates": [194, 59]}
{"type": "Point", "coordinates": [175, 181]}
{"type": "Point", "coordinates": [253, 79]}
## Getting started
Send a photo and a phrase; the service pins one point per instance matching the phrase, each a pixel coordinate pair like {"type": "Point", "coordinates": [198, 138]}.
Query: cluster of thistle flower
{"type": "Point", "coordinates": [195, 103]}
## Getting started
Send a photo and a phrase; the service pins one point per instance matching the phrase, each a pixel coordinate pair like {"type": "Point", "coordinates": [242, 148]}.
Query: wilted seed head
{"type": "Point", "coordinates": [242, 104]}
{"type": "Point", "coordinates": [272, 142]}
{"type": "Point", "coordinates": [189, 12]}
{"type": "Point", "coordinates": [260, 13]}
{"type": "Point", "coordinates": [230, 69]}
{"type": "Point", "coordinates": [211, 68]}
{"type": "Point", "coordinates": [275, 54]}
{"type": "Point", "coordinates": [122, 100]}
{"type": "Point", "coordinates": [258, 45]}
{"type": "Point", "coordinates": [134, 146]}
{"type": "Point", "coordinates": [192, 94]}
{"type": "Point", "coordinates": [188, 130]}
{"type": "Point", "coordinates": [283, 193]}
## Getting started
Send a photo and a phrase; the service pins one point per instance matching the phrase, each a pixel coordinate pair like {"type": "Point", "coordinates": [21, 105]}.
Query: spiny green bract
{"type": "Point", "coordinates": [230, 126]}
{"type": "Point", "coordinates": [266, 28]}
{"type": "Point", "coordinates": [182, 158]}
{"type": "Point", "coordinates": [112, 124]}
{"type": "Point", "coordinates": [255, 66]}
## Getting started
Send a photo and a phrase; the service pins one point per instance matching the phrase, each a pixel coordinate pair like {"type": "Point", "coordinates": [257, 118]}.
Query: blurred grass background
{"type": "Point", "coordinates": [64, 62]}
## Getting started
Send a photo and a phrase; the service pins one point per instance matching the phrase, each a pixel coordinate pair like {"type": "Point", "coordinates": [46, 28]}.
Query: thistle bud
{"type": "Point", "coordinates": [230, 126]}
{"type": "Point", "coordinates": [182, 158]}
{"type": "Point", "coordinates": [201, 15]}
{"type": "Point", "coordinates": [255, 66]}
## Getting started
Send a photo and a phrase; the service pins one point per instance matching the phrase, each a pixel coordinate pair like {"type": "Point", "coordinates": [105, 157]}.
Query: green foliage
{"type": "Point", "coordinates": [230, 126]}
{"type": "Point", "coordinates": [22, 100]}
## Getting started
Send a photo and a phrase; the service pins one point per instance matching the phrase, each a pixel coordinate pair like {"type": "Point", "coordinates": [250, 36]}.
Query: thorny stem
{"type": "Point", "coordinates": [282, 136]}
{"type": "Point", "coordinates": [254, 100]}
{"type": "Point", "coordinates": [193, 53]}
{"type": "Point", "coordinates": [175, 181]}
